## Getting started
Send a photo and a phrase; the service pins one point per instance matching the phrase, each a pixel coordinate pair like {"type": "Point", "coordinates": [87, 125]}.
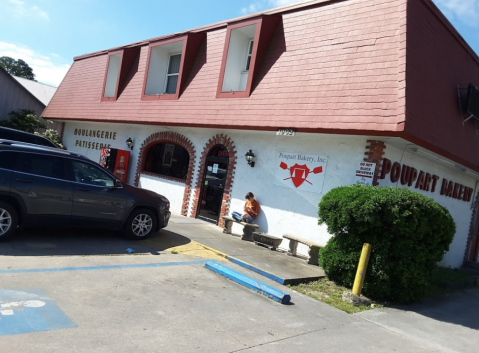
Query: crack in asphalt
{"type": "Point", "coordinates": [285, 338]}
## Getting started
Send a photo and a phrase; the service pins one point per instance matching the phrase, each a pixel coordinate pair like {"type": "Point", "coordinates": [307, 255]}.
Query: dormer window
{"type": "Point", "coordinates": [173, 73]}
{"type": "Point", "coordinates": [245, 47]}
{"type": "Point", "coordinates": [112, 75]}
{"type": "Point", "coordinates": [169, 64]}
{"type": "Point", "coordinates": [120, 64]}
{"type": "Point", "coordinates": [238, 60]}
{"type": "Point", "coordinates": [164, 68]}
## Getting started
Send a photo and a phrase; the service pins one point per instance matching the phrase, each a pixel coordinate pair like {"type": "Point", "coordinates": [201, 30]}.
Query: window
{"type": "Point", "coordinates": [169, 63]}
{"type": "Point", "coordinates": [42, 165]}
{"type": "Point", "coordinates": [248, 55]}
{"type": "Point", "coordinates": [245, 47]}
{"type": "Point", "coordinates": [121, 65]}
{"type": "Point", "coordinates": [112, 75]}
{"type": "Point", "coordinates": [7, 159]}
{"type": "Point", "coordinates": [169, 160]}
{"type": "Point", "coordinates": [86, 173]}
{"type": "Point", "coordinates": [238, 61]}
{"type": "Point", "coordinates": [164, 69]}
{"type": "Point", "coordinates": [172, 73]}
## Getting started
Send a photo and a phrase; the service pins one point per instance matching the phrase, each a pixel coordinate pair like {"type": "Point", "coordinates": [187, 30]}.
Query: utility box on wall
{"type": "Point", "coordinates": [116, 161]}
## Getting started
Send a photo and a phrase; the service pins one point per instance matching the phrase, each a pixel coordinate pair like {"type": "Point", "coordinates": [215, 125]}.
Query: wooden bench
{"type": "Point", "coordinates": [267, 240]}
{"type": "Point", "coordinates": [247, 228]}
{"type": "Point", "coordinates": [313, 248]}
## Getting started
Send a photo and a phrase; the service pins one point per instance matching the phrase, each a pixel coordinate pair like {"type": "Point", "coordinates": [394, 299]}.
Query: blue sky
{"type": "Point", "coordinates": [47, 34]}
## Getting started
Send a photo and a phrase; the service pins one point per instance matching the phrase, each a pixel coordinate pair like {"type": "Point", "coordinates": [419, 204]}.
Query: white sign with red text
{"type": "Point", "coordinates": [300, 171]}
{"type": "Point", "coordinates": [365, 173]}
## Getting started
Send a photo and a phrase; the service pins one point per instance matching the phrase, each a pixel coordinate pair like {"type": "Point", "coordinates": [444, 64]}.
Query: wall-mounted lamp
{"type": "Point", "coordinates": [250, 158]}
{"type": "Point", "coordinates": [129, 143]}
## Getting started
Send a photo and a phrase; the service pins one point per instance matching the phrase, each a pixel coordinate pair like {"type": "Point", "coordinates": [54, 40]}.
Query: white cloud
{"type": "Point", "coordinates": [39, 12]}
{"type": "Point", "coordinates": [466, 11]}
{"type": "Point", "coordinates": [255, 7]}
{"type": "Point", "coordinates": [276, 3]}
{"type": "Point", "coordinates": [47, 69]}
{"type": "Point", "coordinates": [21, 9]}
{"type": "Point", "coordinates": [266, 4]}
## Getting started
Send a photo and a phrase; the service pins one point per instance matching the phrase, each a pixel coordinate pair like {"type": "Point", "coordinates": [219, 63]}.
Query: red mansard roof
{"type": "Point", "coordinates": [375, 67]}
{"type": "Point", "coordinates": [328, 66]}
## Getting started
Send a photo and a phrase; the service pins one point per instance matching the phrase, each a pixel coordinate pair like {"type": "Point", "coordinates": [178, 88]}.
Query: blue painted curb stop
{"type": "Point", "coordinates": [260, 287]}
{"type": "Point", "coordinates": [257, 270]}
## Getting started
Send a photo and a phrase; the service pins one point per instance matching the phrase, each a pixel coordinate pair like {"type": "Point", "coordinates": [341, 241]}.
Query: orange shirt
{"type": "Point", "coordinates": [253, 212]}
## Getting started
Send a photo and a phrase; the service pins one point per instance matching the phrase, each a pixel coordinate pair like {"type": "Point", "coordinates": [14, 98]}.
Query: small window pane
{"type": "Point", "coordinates": [247, 63]}
{"type": "Point", "coordinates": [250, 51]}
{"type": "Point", "coordinates": [174, 67]}
{"type": "Point", "coordinates": [88, 174]}
{"type": "Point", "coordinates": [47, 166]}
{"type": "Point", "coordinates": [171, 84]}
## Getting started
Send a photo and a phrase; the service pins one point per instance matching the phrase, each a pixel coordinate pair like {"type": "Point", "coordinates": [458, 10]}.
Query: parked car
{"type": "Point", "coordinates": [22, 136]}
{"type": "Point", "coordinates": [47, 186]}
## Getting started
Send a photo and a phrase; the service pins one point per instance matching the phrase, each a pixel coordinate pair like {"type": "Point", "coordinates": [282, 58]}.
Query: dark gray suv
{"type": "Point", "coordinates": [46, 186]}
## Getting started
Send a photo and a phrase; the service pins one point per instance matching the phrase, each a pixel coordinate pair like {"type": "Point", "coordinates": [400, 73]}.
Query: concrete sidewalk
{"type": "Point", "coordinates": [449, 322]}
{"type": "Point", "coordinates": [186, 235]}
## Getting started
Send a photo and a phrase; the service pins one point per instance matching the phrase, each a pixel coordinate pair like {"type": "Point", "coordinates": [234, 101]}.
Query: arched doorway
{"type": "Point", "coordinates": [213, 184]}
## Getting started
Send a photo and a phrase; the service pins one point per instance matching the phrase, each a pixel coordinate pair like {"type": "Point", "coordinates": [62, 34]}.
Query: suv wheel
{"type": "Point", "coordinates": [8, 220]}
{"type": "Point", "coordinates": [140, 224]}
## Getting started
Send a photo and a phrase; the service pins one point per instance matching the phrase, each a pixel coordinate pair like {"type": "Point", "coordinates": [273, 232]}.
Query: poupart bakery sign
{"type": "Point", "coordinates": [423, 180]}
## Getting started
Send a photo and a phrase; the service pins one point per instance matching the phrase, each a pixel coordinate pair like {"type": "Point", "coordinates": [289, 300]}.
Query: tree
{"type": "Point", "coordinates": [17, 68]}
{"type": "Point", "coordinates": [24, 120]}
{"type": "Point", "coordinates": [53, 136]}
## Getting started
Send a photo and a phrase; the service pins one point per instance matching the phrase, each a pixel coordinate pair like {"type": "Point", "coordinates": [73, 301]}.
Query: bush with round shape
{"type": "Point", "coordinates": [409, 234]}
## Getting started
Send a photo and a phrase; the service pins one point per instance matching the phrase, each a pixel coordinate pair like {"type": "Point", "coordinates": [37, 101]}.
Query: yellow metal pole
{"type": "Point", "coordinates": [362, 267]}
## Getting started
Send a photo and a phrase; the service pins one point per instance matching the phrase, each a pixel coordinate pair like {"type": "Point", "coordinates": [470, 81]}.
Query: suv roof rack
{"type": "Point", "coordinates": [40, 147]}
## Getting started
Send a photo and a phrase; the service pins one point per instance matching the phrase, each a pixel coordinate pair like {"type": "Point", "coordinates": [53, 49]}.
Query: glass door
{"type": "Point", "coordinates": [213, 185]}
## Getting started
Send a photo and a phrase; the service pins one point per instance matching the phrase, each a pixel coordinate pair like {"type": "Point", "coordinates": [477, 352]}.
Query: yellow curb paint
{"type": "Point", "coordinates": [193, 248]}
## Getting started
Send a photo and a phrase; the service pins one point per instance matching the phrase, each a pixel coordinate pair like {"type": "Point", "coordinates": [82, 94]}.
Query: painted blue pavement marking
{"type": "Point", "coordinates": [247, 281]}
{"type": "Point", "coordinates": [106, 267]}
{"type": "Point", "coordinates": [257, 270]}
{"type": "Point", "coordinates": [30, 310]}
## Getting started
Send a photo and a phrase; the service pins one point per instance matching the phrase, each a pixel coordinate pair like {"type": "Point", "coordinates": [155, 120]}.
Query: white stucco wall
{"type": "Point", "coordinates": [283, 210]}
{"type": "Point", "coordinates": [173, 190]}
{"type": "Point", "coordinates": [460, 210]}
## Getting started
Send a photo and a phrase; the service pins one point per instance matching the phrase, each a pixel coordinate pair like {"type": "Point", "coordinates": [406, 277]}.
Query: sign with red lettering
{"type": "Point", "coordinates": [300, 171]}
{"type": "Point", "coordinates": [365, 173]}
{"type": "Point", "coordinates": [409, 176]}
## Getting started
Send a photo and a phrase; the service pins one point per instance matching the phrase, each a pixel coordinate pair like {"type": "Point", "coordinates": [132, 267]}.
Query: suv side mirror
{"type": "Point", "coordinates": [118, 183]}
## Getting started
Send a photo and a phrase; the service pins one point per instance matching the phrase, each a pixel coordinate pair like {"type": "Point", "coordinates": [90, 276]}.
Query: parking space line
{"type": "Point", "coordinates": [106, 267]}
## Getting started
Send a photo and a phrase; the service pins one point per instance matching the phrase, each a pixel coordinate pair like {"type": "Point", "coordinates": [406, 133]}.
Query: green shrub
{"type": "Point", "coordinates": [409, 233]}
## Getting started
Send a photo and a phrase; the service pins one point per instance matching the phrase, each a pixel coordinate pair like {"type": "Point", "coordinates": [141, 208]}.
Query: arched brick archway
{"type": "Point", "coordinates": [219, 139]}
{"type": "Point", "coordinates": [177, 139]}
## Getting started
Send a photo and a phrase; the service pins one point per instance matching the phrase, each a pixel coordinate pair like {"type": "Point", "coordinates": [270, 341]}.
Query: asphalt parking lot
{"type": "Point", "coordinates": [77, 291]}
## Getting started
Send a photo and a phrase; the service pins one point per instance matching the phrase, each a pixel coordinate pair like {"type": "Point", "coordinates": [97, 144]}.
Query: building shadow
{"type": "Point", "coordinates": [458, 308]}
{"type": "Point", "coordinates": [84, 242]}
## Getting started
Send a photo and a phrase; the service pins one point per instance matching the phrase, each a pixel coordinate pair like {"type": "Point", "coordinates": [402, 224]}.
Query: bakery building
{"type": "Point", "coordinates": [288, 104]}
